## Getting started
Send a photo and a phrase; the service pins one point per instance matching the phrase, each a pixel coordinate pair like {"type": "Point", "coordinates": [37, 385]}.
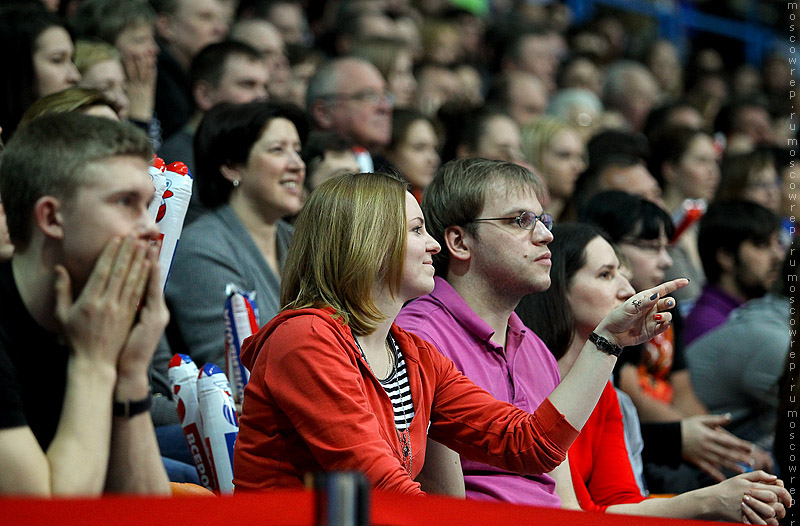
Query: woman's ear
{"type": "Point", "coordinates": [47, 217]}
{"type": "Point", "coordinates": [231, 173]}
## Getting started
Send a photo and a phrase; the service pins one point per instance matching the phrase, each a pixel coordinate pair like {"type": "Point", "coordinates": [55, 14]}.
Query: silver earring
{"type": "Point", "coordinates": [235, 183]}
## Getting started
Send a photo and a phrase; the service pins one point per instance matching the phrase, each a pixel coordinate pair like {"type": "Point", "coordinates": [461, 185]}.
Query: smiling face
{"type": "Point", "coordinates": [507, 259]}
{"type": "Point", "coordinates": [104, 208]}
{"type": "Point", "coordinates": [420, 247]}
{"type": "Point", "coordinates": [598, 287]}
{"type": "Point", "coordinates": [52, 61]}
{"type": "Point", "coordinates": [272, 179]}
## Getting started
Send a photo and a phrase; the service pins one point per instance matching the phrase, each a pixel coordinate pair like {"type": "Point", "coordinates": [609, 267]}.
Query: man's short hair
{"type": "Point", "coordinates": [458, 192]}
{"type": "Point", "coordinates": [48, 156]}
{"type": "Point", "coordinates": [726, 225]}
{"type": "Point", "coordinates": [209, 64]}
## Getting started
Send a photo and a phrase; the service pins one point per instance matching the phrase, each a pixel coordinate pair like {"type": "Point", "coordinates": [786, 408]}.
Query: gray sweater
{"type": "Point", "coordinates": [213, 251]}
{"type": "Point", "coordinates": [735, 368]}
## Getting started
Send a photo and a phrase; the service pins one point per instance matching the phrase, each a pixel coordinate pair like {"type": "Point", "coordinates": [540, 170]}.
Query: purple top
{"type": "Point", "coordinates": [709, 312]}
{"type": "Point", "coordinates": [524, 375]}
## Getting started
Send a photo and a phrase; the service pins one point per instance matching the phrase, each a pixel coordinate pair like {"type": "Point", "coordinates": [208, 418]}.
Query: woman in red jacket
{"type": "Point", "coordinates": [335, 385]}
{"type": "Point", "coordinates": [587, 283]}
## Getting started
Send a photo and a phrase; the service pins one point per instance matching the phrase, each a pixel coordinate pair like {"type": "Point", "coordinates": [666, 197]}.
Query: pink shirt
{"type": "Point", "coordinates": [524, 374]}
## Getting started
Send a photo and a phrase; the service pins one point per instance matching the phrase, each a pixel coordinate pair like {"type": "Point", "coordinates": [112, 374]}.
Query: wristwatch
{"type": "Point", "coordinates": [130, 408]}
{"type": "Point", "coordinates": [604, 345]}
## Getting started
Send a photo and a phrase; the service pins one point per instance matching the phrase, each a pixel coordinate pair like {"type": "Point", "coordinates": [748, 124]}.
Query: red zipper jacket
{"type": "Point", "coordinates": [312, 404]}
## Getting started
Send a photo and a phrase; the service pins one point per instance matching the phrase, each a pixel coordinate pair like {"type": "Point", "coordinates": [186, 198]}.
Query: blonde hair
{"type": "Point", "coordinates": [538, 135]}
{"type": "Point", "coordinates": [88, 53]}
{"type": "Point", "coordinates": [350, 236]}
{"type": "Point", "coordinates": [65, 101]}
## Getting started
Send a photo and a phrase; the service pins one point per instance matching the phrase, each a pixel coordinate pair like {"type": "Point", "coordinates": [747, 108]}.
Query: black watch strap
{"type": "Point", "coordinates": [605, 345]}
{"type": "Point", "coordinates": [131, 408]}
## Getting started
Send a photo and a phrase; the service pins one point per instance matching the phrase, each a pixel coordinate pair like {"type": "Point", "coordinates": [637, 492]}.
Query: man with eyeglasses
{"type": "Point", "coordinates": [348, 96]}
{"type": "Point", "coordinates": [741, 253]}
{"type": "Point", "coordinates": [488, 219]}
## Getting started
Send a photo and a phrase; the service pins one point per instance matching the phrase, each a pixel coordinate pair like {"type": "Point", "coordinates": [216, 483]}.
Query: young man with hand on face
{"type": "Point", "coordinates": [81, 311]}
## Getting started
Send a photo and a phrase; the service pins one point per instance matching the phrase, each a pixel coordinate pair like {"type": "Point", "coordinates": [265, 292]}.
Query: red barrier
{"type": "Point", "coordinates": [293, 508]}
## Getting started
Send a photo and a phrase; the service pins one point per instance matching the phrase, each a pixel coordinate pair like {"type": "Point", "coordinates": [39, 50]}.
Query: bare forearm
{"type": "Point", "coordinates": [441, 474]}
{"type": "Point", "coordinates": [578, 393]}
{"type": "Point", "coordinates": [691, 505]}
{"type": "Point", "coordinates": [135, 465]}
{"type": "Point", "coordinates": [564, 488]}
{"type": "Point", "coordinates": [78, 454]}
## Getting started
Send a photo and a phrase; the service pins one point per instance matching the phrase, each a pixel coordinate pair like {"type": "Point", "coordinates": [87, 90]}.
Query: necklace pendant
{"type": "Point", "coordinates": [405, 441]}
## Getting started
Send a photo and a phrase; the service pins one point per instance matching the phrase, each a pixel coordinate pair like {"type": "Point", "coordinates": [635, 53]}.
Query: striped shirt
{"type": "Point", "coordinates": [399, 391]}
{"type": "Point", "coordinates": [397, 388]}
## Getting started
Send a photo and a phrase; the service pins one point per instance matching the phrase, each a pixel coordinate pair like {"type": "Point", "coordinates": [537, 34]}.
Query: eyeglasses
{"type": "Point", "coordinates": [526, 220]}
{"type": "Point", "coordinates": [369, 96]}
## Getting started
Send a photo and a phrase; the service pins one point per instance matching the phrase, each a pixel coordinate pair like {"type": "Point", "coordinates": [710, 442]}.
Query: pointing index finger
{"type": "Point", "coordinates": [669, 287]}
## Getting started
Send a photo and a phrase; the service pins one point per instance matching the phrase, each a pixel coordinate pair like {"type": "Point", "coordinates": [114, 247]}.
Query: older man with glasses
{"type": "Point", "coordinates": [348, 96]}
